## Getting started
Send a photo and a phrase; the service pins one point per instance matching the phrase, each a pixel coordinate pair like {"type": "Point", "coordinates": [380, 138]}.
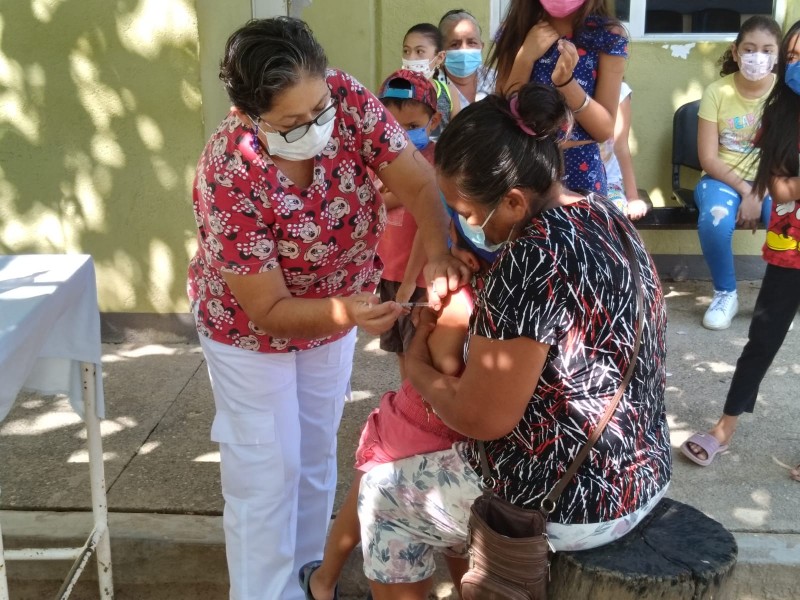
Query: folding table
{"type": "Point", "coordinates": [50, 343]}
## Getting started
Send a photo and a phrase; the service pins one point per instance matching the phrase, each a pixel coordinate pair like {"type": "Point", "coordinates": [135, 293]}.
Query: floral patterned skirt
{"type": "Point", "coordinates": [411, 507]}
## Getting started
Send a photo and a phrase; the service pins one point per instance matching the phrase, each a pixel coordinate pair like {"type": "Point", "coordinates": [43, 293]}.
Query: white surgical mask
{"type": "Point", "coordinates": [423, 67]}
{"type": "Point", "coordinates": [308, 146]}
{"type": "Point", "coordinates": [756, 65]}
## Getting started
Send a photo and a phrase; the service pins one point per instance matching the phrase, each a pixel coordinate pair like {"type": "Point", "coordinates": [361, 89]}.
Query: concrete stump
{"type": "Point", "coordinates": [676, 553]}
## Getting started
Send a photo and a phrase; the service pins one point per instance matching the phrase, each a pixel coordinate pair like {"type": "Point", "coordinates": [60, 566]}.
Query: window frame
{"type": "Point", "coordinates": [635, 24]}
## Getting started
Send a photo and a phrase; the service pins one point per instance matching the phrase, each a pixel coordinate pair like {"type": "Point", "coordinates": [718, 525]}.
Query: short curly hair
{"type": "Point", "coordinates": [264, 57]}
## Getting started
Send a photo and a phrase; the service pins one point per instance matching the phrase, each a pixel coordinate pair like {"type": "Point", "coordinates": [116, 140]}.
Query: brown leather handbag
{"type": "Point", "coordinates": [509, 552]}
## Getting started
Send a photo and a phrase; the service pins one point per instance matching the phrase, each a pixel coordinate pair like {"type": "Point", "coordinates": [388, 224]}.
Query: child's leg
{"type": "Point", "coordinates": [457, 568]}
{"type": "Point", "coordinates": [401, 364]}
{"type": "Point", "coordinates": [718, 205]}
{"type": "Point", "coordinates": [344, 536]}
{"type": "Point", "coordinates": [776, 306]}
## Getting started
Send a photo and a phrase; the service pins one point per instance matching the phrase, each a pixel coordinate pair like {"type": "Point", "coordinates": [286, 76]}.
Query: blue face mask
{"type": "Point", "coordinates": [473, 236]}
{"type": "Point", "coordinates": [792, 77]}
{"type": "Point", "coordinates": [419, 137]}
{"type": "Point", "coordinates": [462, 63]}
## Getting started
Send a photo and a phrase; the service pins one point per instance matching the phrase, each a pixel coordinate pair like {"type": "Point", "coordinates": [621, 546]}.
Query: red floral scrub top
{"type": "Point", "coordinates": [251, 218]}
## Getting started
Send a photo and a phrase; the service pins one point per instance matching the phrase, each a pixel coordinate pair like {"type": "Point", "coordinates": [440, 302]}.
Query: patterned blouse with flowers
{"type": "Point", "coordinates": [566, 283]}
{"type": "Point", "coordinates": [583, 166]}
{"type": "Point", "coordinates": [251, 218]}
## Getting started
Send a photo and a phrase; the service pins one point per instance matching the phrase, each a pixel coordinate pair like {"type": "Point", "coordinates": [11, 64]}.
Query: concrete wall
{"type": "Point", "coordinates": [106, 107]}
{"type": "Point", "coordinates": [365, 37]}
{"type": "Point", "coordinates": [100, 125]}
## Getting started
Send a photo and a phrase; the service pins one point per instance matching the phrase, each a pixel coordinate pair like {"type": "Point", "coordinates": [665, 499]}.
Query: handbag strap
{"type": "Point", "coordinates": [549, 502]}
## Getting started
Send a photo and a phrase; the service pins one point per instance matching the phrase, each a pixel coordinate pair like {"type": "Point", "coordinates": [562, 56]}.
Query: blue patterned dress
{"type": "Point", "coordinates": [583, 166]}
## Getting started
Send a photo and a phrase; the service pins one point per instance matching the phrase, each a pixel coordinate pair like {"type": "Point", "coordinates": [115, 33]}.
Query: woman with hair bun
{"type": "Point", "coordinates": [551, 338]}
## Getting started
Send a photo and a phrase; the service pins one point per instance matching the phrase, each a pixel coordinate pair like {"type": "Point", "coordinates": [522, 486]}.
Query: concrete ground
{"type": "Point", "coordinates": [162, 471]}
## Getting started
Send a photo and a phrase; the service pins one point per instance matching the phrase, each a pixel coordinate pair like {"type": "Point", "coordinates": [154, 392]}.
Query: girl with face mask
{"type": "Point", "coordinates": [729, 118]}
{"type": "Point", "coordinates": [463, 62]}
{"type": "Point", "coordinates": [577, 47]}
{"type": "Point", "coordinates": [423, 53]}
{"type": "Point", "coordinates": [778, 300]}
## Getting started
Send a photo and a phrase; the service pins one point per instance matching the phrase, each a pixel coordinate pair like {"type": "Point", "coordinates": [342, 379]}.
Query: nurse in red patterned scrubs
{"type": "Point", "coordinates": [288, 221]}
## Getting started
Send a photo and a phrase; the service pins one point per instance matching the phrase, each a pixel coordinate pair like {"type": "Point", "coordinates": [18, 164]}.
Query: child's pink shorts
{"type": "Point", "coordinates": [400, 427]}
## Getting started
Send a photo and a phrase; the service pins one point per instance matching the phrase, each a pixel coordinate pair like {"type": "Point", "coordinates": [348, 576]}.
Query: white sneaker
{"type": "Point", "coordinates": [724, 306]}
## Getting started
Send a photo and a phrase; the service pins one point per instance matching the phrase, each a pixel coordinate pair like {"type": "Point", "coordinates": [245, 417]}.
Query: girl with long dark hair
{"type": "Point", "coordinates": [779, 297]}
{"type": "Point", "coordinates": [579, 48]}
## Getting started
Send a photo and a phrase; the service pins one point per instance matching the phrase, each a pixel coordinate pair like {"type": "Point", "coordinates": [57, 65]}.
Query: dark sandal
{"type": "Point", "coordinates": [305, 579]}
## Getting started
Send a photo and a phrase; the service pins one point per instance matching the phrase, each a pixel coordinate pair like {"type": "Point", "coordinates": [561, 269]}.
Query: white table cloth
{"type": "Point", "coordinates": [50, 343]}
{"type": "Point", "coordinates": [49, 324]}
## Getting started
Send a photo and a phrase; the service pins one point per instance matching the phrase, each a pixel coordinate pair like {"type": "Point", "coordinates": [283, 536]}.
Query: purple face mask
{"type": "Point", "coordinates": [561, 8]}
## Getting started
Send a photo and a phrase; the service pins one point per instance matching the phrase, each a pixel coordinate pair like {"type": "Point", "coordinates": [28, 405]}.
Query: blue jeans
{"type": "Point", "coordinates": [718, 205]}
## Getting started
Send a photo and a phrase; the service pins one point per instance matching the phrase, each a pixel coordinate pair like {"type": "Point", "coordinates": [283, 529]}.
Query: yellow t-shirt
{"type": "Point", "coordinates": [737, 119]}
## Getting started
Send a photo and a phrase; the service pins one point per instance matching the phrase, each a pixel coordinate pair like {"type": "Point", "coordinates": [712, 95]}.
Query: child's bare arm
{"type": "Point", "coordinates": [446, 342]}
{"type": "Point", "coordinates": [622, 150]}
{"type": "Point", "coordinates": [416, 260]}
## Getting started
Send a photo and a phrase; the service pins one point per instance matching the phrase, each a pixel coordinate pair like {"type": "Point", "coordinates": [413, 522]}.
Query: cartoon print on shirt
{"type": "Point", "coordinates": [252, 218]}
{"type": "Point", "coordinates": [288, 249]}
{"type": "Point", "coordinates": [338, 208]}
{"type": "Point", "coordinates": [346, 173]}
{"type": "Point", "coordinates": [248, 342]}
{"type": "Point", "coordinates": [785, 237]}
{"type": "Point", "coordinates": [215, 287]}
{"type": "Point", "coordinates": [366, 192]}
{"type": "Point", "coordinates": [223, 179]}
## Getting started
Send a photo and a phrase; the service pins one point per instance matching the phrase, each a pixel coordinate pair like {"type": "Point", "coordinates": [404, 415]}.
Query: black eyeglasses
{"type": "Point", "coordinates": [296, 133]}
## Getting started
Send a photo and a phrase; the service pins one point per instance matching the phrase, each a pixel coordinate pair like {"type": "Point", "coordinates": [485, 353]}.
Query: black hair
{"type": "Point", "coordinates": [522, 15]}
{"type": "Point", "coordinates": [486, 152]}
{"type": "Point", "coordinates": [779, 134]}
{"type": "Point", "coordinates": [399, 103]}
{"type": "Point", "coordinates": [430, 31]}
{"type": "Point", "coordinates": [755, 23]}
{"type": "Point", "coordinates": [264, 57]}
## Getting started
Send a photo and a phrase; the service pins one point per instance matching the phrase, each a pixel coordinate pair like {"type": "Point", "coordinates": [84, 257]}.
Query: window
{"type": "Point", "coordinates": [670, 19]}
{"type": "Point", "coordinates": [690, 18]}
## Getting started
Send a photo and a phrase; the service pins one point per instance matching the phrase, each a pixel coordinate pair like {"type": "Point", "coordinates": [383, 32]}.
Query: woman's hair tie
{"type": "Point", "coordinates": [514, 106]}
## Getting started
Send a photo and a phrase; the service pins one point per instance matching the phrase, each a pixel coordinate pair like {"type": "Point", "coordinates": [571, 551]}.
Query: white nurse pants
{"type": "Point", "coordinates": [276, 421]}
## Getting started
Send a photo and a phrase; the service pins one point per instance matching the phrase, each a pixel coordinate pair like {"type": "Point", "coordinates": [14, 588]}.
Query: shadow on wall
{"type": "Point", "coordinates": [100, 127]}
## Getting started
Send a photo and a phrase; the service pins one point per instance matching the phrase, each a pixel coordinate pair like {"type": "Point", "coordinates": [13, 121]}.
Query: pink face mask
{"type": "Point", "coordinates": [561, 8]}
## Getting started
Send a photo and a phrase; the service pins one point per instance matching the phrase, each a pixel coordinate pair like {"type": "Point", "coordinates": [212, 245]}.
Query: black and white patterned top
{"type": "Point", "coordinates": [567, 283]}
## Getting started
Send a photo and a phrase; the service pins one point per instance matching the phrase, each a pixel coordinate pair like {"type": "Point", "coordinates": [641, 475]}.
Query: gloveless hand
{"type": "Point", "coordinates": [445, 274]}
{"type": "Point", "coordinates": [539, 39]}
{"type": "Point", "coordinates": [567, 59]}
{"type": "Point", "coordinates": [368, 313]}
{"type": "Point", "coordinates": [749, 214]}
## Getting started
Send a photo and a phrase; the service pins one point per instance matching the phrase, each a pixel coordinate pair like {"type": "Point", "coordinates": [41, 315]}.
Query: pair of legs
{"type": "Point", "coordinates": [718, 206]}
{"type": "Point", "coordinates": [344, 536]}
{"type": "Point", "coordinates": [776, 306]}
{"type": "Point", "coordinates": [276, 421]}
{"type": "Point", "coordinates": [411, 507]}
